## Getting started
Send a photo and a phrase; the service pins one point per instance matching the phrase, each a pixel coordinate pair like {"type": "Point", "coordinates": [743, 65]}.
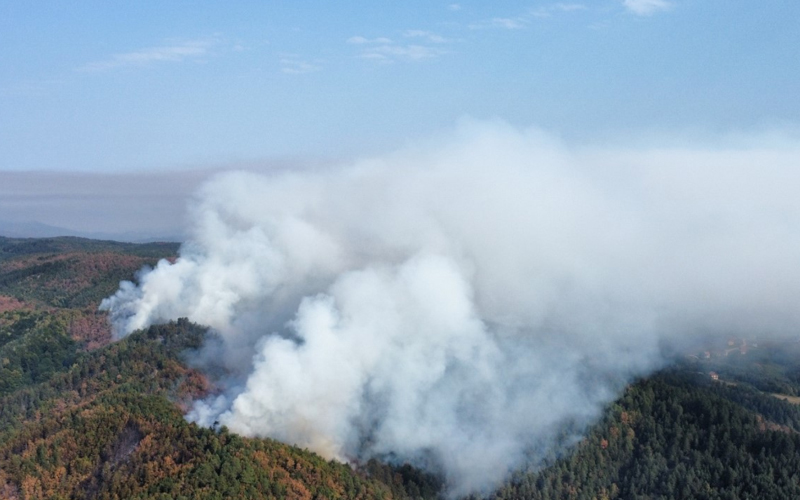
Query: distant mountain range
{"type": "Point", "coordinates": [35, 229]}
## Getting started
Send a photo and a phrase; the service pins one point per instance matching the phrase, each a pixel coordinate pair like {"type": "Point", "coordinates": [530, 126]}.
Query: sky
{"type": "Point", "coordinates": [129, 87]}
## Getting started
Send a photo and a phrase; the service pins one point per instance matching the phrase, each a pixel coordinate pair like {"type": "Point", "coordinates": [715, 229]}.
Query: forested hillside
{"type": "Point", "coordinates": [679, 435]}
{"type": "Point", "coordinates": [49, 292]}
{"type": "Point", "coordinates": [81, 417]}
{"type": "Point", "coordinates": [84, 417]}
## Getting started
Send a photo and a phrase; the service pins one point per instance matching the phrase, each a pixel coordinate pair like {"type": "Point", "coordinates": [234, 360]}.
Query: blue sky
{"type": "Point", "coordinates": [102, 86]}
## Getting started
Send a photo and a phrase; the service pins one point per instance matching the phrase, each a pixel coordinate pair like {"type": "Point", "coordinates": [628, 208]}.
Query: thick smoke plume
{"type": "Point", "coordinates": [460, 304]}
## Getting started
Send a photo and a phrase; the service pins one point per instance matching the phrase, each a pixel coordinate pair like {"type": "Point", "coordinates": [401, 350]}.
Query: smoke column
{"type": "Point", "coordinates": [460, 303]}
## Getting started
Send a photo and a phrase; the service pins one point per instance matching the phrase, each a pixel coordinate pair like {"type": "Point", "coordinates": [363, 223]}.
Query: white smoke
{"type": "Point", "coordinates": [461, 303]}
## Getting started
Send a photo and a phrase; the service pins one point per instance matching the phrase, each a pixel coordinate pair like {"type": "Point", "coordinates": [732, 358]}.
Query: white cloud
{"type": "Point", "coordinates": [508, 23]}
{"type": "Point", "coordinates": [549, 10]}
{"type": "Point", "coordinates": [292, 65]}
{"type": "Point", "coordinates": [646, 7]}
{"type": "Point", "coordinates": [569, 7]}
{"type": "Point", "coordinates": [360, 40]}
{"type": "Point", "coordinates": [409, 52]}
{"type": "Point", "coordinates": [178, 52]}
{"type": "Point", "coordinates": [425, 35]}
{"type": "Point", "coordinates": [522, 21]}
{"type": "Point", "coordinates": [454, 6]}
{"type": "Point", "coordinates": [385, 50]}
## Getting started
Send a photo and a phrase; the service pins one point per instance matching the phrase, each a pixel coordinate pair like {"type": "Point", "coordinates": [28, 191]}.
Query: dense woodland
{"type": "Point", "coordinates": [84, 417]}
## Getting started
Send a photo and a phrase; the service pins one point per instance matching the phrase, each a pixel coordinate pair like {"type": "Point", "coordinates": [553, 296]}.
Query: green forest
{"type": "Point", "coordinates": [82, 416]}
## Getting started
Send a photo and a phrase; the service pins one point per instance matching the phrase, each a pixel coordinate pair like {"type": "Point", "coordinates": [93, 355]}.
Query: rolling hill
{"type": "Point", "coordinates": [82, 416]}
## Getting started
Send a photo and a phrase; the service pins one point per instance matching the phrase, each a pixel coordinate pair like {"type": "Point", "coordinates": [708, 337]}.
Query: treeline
{"type": "Point", "coordinates": [78, 280]}
{"type": "Point", "coordinates": [16, 247]}
{"type": "Point", "coordinates": [71, 272]}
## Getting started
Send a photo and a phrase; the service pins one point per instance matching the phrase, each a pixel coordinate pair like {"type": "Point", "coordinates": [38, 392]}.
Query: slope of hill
{"type": "Point", "coordinates": [679, 435]}
{"type": "Point", "coordinates": [110, 426]}
{"type": "Point", "coordinates": [71, 272]}
{"type": "Point", "coordinates": [64, 279]}
{"type": "Point", "coordinates": [81, 417]}
{"type": "Point", "coordinates": [84, 418]}
{"type": "Point", "coordinates": [721, 425]}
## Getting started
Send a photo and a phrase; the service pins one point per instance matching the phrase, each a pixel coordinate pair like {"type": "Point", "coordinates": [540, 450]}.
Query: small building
{"type": "Point", "coordinates": [713, 375]}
